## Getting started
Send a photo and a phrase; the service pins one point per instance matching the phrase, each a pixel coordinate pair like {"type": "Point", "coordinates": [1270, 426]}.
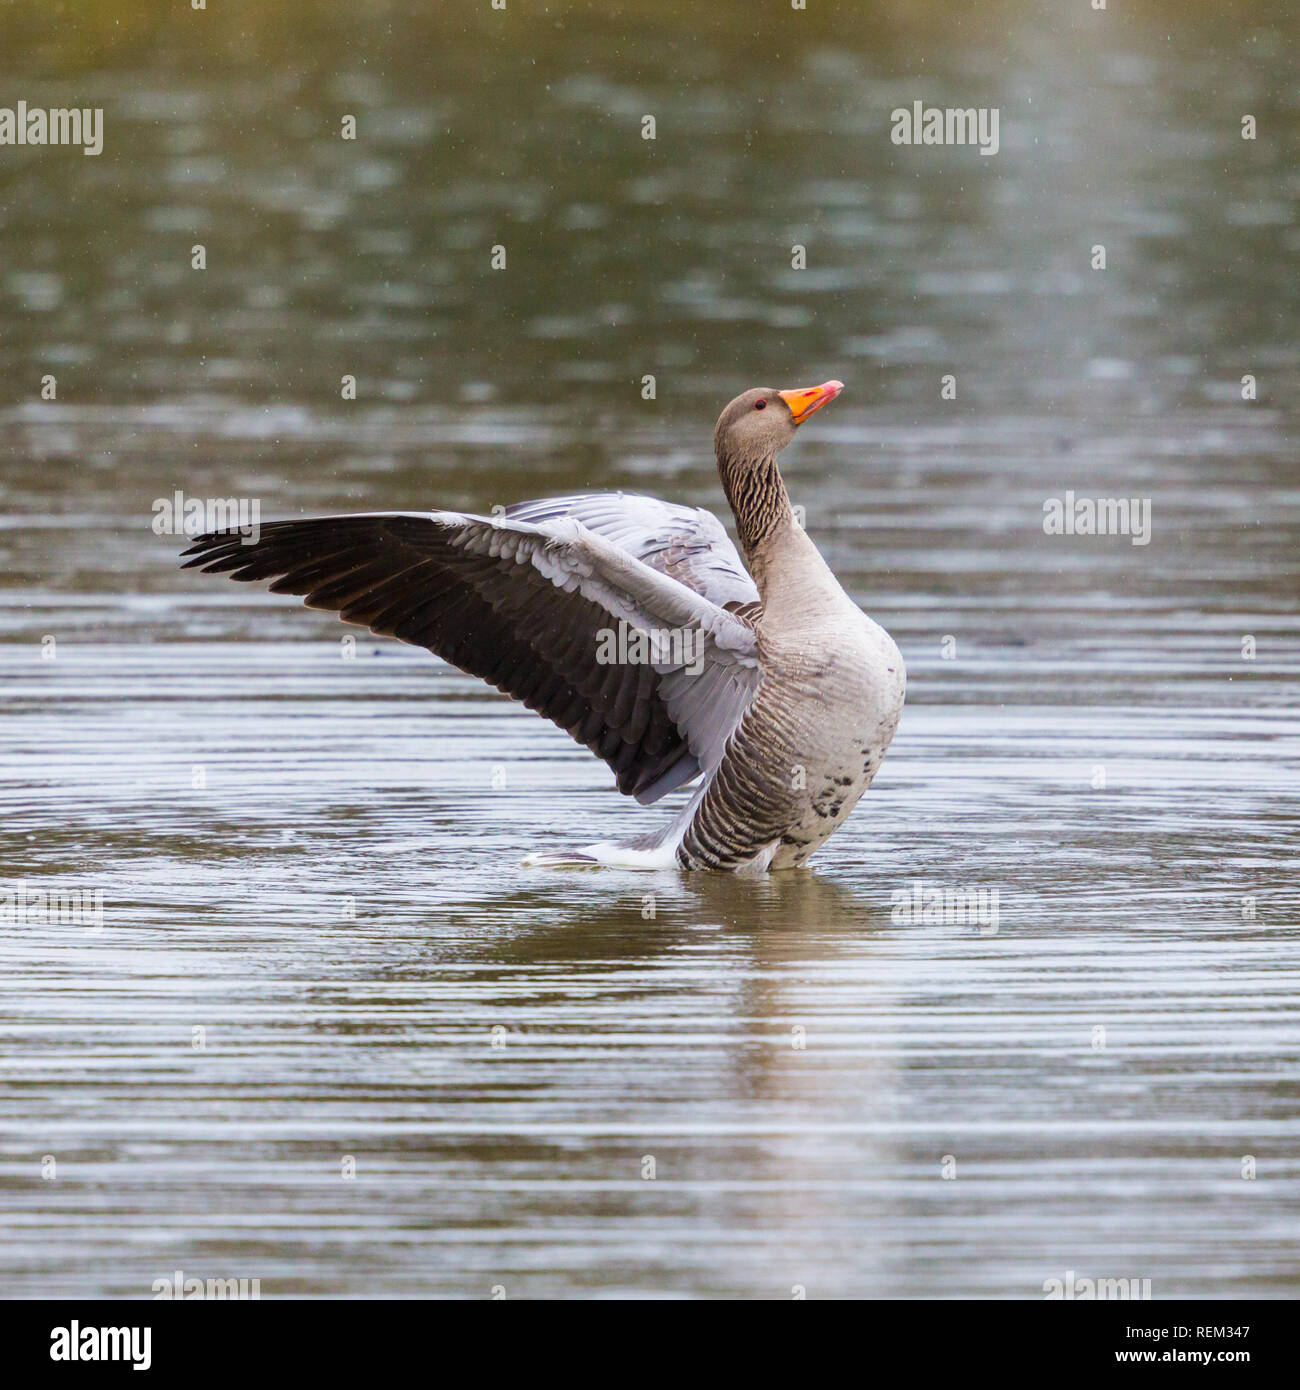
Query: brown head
{"type": "Point", "coordinates": [749, 434]}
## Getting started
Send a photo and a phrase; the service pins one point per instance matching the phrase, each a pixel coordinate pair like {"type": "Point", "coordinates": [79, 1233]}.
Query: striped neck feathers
{"type": "Point", "coordinates": [758, 499]}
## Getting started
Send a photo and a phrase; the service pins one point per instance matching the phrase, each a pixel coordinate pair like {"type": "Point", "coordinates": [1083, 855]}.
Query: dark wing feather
{"type": "Point", "coordinates": [522, 606]}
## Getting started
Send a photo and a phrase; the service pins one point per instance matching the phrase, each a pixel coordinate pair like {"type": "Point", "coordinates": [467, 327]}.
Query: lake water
{"type": "Point", "coordinates": [320, 953]}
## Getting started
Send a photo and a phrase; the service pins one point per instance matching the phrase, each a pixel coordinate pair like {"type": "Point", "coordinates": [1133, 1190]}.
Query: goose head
{"type": "Point", "coordinates": [759, 423]}
{"type": "Point", "coordinates": [749, 434]}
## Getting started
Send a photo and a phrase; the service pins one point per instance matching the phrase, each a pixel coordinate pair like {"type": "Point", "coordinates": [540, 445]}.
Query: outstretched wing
{"type": "Point", "coordinates": [687, 543]}
{"type": "Point", "coordinates": [524, 606]}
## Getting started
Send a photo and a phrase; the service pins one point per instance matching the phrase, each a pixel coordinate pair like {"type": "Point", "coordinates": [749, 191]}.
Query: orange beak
{"type": "Point", "coordinates": [803, 403]}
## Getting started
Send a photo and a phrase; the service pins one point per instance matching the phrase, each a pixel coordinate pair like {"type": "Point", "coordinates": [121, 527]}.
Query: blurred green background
{"type": "Point", "coordinates": [629, 257]}
{"type": "Point", "coordinates": [626, 256]}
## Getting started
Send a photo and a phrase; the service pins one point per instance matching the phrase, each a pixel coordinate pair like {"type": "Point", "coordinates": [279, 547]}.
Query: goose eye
{"type": "Point", "coordinates": [760, 405]}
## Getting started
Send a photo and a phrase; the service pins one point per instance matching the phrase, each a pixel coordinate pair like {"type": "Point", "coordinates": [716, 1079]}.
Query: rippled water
{"type": "Point", "coordinates": [316, 861]}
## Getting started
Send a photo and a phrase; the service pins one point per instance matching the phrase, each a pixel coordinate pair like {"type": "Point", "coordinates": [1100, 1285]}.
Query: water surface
{"type": "Point", "coordinates": [316, 861]}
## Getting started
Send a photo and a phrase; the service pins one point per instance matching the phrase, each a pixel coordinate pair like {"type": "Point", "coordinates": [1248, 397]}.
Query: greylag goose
{"type": "Point", "coordinates": [634, 625]}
